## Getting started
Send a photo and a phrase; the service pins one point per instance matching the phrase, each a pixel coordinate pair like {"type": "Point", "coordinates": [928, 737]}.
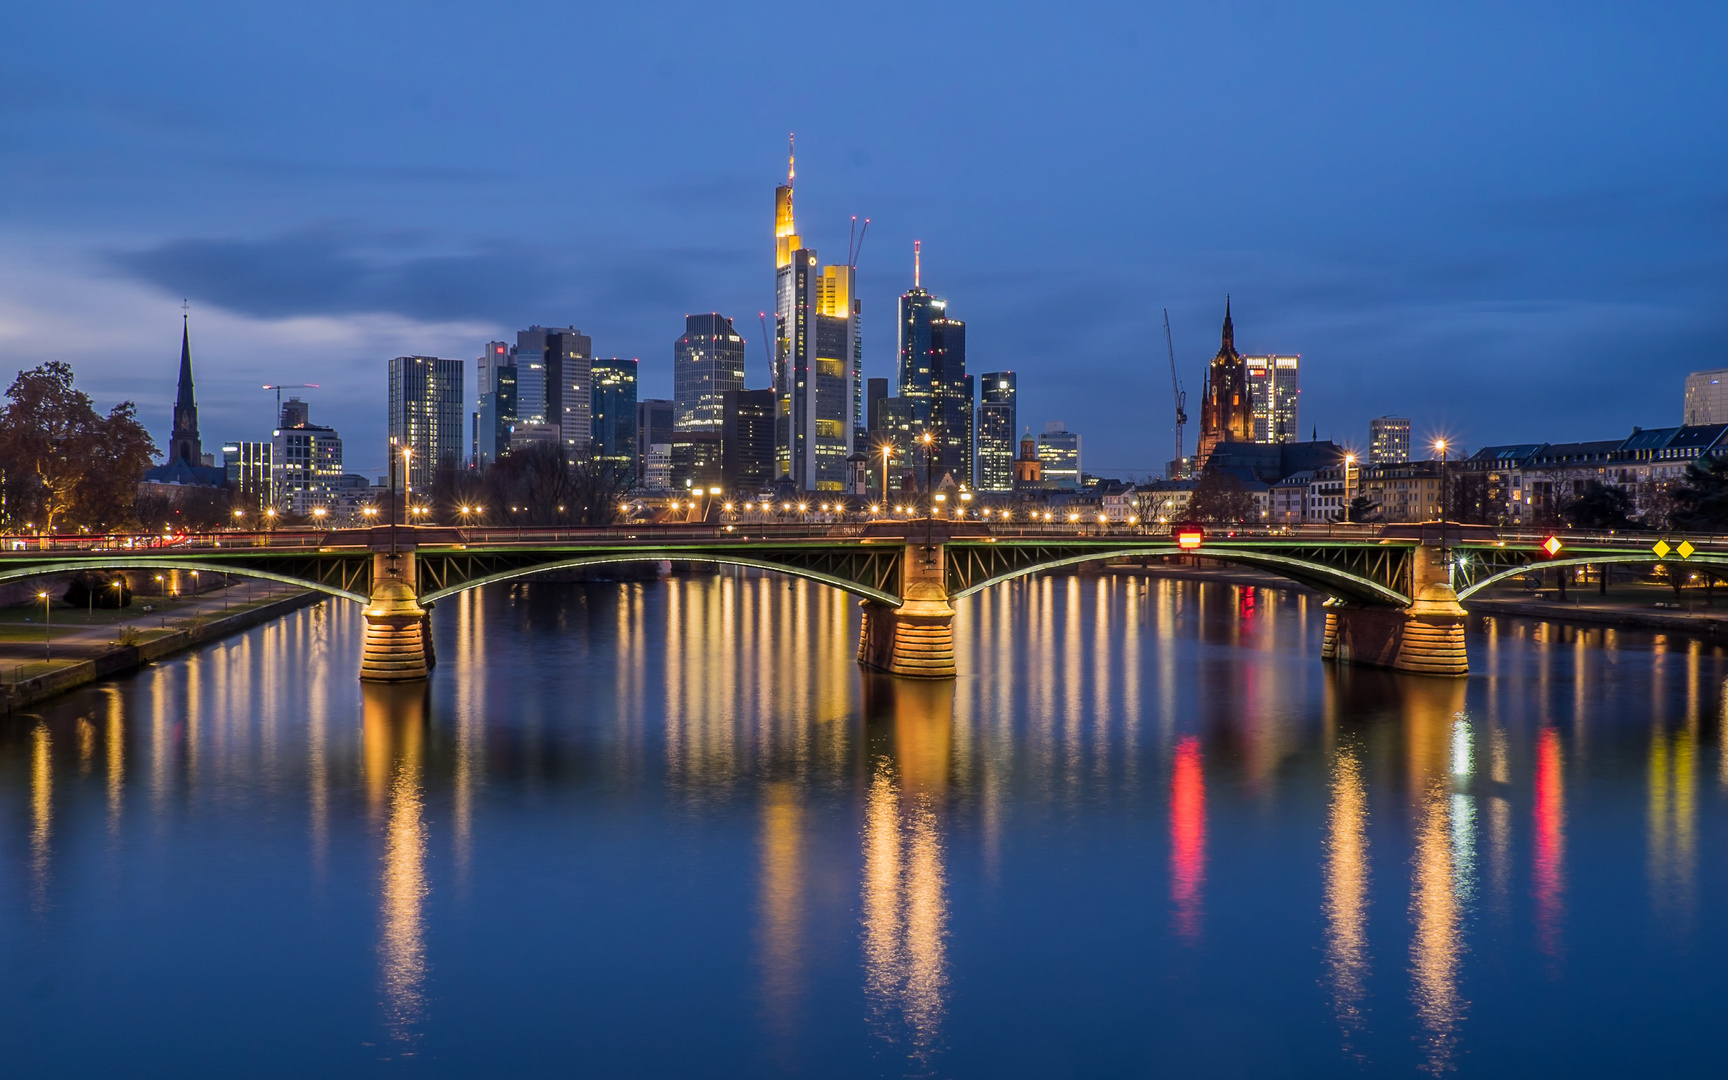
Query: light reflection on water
{"type": "Point", "coordinates": [673, 821]}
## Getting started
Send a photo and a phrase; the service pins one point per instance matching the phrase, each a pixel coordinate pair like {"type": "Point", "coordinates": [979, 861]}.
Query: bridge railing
{"type": "Point", "coordinates": [32, 546]}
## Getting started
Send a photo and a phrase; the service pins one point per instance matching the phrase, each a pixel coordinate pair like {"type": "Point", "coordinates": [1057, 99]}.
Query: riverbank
{"type": "Point", "coordinates": [115, 659]}
{"type": "Point", "coordinates": [1631, 605]}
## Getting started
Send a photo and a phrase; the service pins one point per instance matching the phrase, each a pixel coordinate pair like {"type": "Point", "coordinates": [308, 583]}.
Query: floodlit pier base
{"type": "Point", "coordinates": [397, 627]}
{"type": "Point", "coordinates": [1426, 638]}
{"type": "Point", "coordinates": [916, 639]}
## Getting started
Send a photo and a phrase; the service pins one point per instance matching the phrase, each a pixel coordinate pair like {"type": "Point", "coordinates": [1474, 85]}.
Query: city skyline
{"type": "Point", "coordinates": [324, 230]}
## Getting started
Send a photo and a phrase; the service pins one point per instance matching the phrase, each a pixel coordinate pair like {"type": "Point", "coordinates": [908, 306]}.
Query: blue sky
{"type": "Point", "coordinates": [1509, 222]}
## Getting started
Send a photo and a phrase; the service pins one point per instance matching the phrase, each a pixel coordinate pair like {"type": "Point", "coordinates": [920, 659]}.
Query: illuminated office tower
{"type": "Point", "coordinates": [1059, 456]}
{"type": "Point", "coordinates": [305, 460]}
{"type": "Point", "coordinates": [426, 417]}
{"type": "Point", "coordinates": [614, 417]}
{"type": "Point", "coordinates": [747, 440]}
{"type": "Point", "coordinates": [1274, 387]}
{"type": "Point", "coordinates": [653, 442]}
{"type": "Point", "coordinates": [707, 363]}
{"type": "Point", "coordinates": [818, 353]}
{"type": "Point", "coordinates": [1706, 398]}
{"type": "Point", "coordinates": [932, 351]}
{"type": "Point", "coordinates": [554, 384]}
{"type": "Point", "coordinates": [1388, 440]}
{"type": "Point", "coordinates": [997, 423]}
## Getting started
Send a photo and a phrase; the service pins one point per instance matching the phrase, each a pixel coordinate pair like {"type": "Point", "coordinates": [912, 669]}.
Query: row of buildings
{"type": "Point", "coordinates": [819, 426]}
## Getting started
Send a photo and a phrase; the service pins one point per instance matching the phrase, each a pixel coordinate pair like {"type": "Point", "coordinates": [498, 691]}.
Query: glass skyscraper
{"type": "Point", "coordinates": [426, 417]}
{"type": "Point", "coordinates": [614, 416]}
{"type": "Point", "coordinates": [997, 424]}
{"type": "Point", "coordinates": [707, 362]}
{"type": "Point", "coordinates": [818, 354]}
{"type": "Point", "coordinates": [933, 380]}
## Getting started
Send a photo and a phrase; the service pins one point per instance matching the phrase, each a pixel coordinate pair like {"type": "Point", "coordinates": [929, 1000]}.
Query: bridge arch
{"type": "Point", "coordinates": [1329, 580]}
{"type": "Point", "coordinates": [1588, 560]}
{"type": "Point", "coordinates": [146, 562]}
{"type": "Point", "coordinates": [615, 558]}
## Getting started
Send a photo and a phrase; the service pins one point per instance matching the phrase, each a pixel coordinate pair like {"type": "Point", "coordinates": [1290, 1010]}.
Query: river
{"type": "Point", "coordinates": [670, 828]}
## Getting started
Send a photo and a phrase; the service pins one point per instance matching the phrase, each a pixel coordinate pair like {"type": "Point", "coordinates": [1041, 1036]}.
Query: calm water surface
{"type": "Point", "coordinates": [670, 829]}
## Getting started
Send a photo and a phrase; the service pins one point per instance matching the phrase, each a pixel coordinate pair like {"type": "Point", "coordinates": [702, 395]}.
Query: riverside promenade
{"type": "Point", "coordinates": [42, 658]}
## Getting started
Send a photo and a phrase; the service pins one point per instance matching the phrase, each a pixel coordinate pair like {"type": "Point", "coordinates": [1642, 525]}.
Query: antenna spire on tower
{"type": "Point", "coordinates": [917, 258]}
{"type": "Point", "coordinates": [791, 158]}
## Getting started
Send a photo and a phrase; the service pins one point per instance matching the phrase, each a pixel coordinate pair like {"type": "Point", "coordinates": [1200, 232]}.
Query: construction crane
{"type": "Point", "coordinates": [1176, 392]}
{"type": "Point", "coordinates": [279, 387]}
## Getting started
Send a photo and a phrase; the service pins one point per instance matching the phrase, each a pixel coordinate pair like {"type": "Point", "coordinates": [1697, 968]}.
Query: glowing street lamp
{"type": "Point", "coordinates": [47, 627]}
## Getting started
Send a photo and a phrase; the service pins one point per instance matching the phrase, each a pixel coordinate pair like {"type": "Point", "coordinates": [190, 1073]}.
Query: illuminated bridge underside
{"type": "Point", "coordinates": [1481, 567]}
{"type": "Point", "coordinates": [871, 572]}
{"type": "Point", "coordinates": [1372, 575]}
{"type": "Point", "coordinates": [347, 577]}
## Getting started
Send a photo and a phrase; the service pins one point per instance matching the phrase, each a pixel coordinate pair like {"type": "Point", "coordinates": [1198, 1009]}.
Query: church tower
{"type": "Point", "coordinates": [183, 444]}
{"type": "Point", "coordinates": [1226, 407]}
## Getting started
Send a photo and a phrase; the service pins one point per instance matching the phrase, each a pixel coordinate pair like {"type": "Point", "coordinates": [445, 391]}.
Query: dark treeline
{"type": "Point", "coordinates": [534, 485]}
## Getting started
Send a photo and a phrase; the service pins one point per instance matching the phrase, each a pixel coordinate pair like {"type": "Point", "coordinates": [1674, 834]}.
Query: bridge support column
{"type": "Point", "coordinates": [915, 639]}
{"type": "Point", "coordinates": [396, 625]}
{"type": "Point", "coordinates": [1426, 638]}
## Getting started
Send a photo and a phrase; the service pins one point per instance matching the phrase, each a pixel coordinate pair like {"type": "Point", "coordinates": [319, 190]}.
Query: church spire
{"type": "Point", "coordinates": [184, 444]}
{"type": "Point", "coordinates": [1229, 346]}
{"type": "Point", "coordinates": [183, 400]}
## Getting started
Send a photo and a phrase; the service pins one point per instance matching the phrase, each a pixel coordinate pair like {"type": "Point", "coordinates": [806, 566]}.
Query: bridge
{"type": "Point", "coordinates": [1395, 593]}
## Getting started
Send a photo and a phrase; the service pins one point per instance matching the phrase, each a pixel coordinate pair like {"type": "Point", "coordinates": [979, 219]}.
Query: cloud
{"type": "Point", "coordinates": [324, 271]}
{"type": "Point", "coordinates": [330, 271]}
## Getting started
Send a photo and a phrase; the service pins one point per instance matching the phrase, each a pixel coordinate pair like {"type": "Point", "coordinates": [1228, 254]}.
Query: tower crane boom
{"type": "Point", "coordinates": [279, 387]}
{"type": "Point", "coordinates": [1177, 394]}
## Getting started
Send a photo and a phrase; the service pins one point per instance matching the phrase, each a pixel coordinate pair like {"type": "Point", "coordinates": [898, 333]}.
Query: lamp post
{"type": "Point", "coordinates": [929, 463]}
{"type": "Point", "coordinates": [887, 452]}
{"type": "Point", "coordinates": [47, 627]}
{"type": "Point", "coordinates": [1349, 467]}
{"type": "Point", "coordinates": [1445, 494]}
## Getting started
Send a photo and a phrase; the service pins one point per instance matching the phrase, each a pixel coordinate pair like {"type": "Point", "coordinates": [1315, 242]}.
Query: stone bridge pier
{"type": "Point", "coordinates": [1426, 638]}
{"type": "Point", "coordinates": [917, 638]}
{"type": "Point", "coordinates": [398, 644]}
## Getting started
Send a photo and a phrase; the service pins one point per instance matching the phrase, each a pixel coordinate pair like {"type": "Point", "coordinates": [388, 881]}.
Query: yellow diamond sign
{"type": "Point", "coordinates": [1685, 549]}
{"type": "Point", "coordinates": [1661, 549]}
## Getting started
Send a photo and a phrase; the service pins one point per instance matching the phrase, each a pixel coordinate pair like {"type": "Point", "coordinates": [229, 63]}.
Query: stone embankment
{"type": "Point", "coordinates": [123, 658]}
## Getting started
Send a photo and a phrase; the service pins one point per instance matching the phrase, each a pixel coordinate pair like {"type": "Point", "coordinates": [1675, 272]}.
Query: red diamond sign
{"type": "Point", "coordinates": [1551, 546]}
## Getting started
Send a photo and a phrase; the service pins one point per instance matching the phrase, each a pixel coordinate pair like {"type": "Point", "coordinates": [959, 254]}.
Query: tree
{"type": "Point", "coordinates": [1469, 500]}
{"type": "Point", "coordinates": [1598, 506]}
{"type": "Point", "coordinates": [536, 486]}
{"type": "Point", "coordinates": [1361, 509]}
{"type": "Point", "coordinates": [83, 468]}
{"type": "Point", "coordinates": [1700, 503]}
{"type": "Point", "coordinates": [1219, 496]}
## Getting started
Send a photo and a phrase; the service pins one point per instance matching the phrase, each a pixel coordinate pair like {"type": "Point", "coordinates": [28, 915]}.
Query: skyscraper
{"type": "Point", "coordinates": [707, 362]}
{"type": "Point", "coordinates": [817, 355]}
{"type": "Point", "coordinates": [554, 384]}
{"type": "Point", "coordinates": [1706, 398]}
{"type": "Point", "coordinates": [932, 351]}
{"type": "Point", "coordinates": [1226, 407]}
{"type": "Point", "coordinates": [497, 416]}
{"type": "Point", "coordinates": [1059, 456]}
{"type": "Point", "coordinates": [494, 402]}
{"type": "Point", "coordinates": [872, 404]}
{"type": "Point", "coordinates": [614, 417]}
{"type": "Point", "coordinates": [653, 429]}
{"type": "Point", "coordinates": [1275, 388]}
{"type": "Point", "coordinates": [1388, 440]}
{"type": "Point", "coordinates": [426, 417]}
{"type": "Point", "coordinates": [306, 460]}
{"type": "Point", "coordinates": [997, 422]}
{"type": "Point", "coordinates": [747, 439]}
{"type": "Point", "coordinates": [184, 444]}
